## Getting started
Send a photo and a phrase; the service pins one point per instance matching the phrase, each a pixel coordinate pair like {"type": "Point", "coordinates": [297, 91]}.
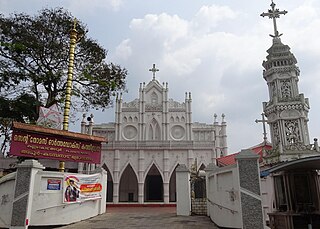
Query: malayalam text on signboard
{"type": "Point", "coordinates": [37, 145]}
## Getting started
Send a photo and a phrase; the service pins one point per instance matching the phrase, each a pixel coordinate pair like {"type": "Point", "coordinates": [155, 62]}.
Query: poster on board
{"type": "Point", "coordinates": [81, 187]}
{"type": "Point", "coordinates": [53, 184]}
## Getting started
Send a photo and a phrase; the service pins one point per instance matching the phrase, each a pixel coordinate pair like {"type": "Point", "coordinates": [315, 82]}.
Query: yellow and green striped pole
{"type": "Point", "coordinates": [73, 41]}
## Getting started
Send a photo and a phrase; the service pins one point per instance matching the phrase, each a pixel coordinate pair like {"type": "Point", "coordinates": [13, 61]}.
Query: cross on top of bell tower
{"type": "Point", "coordinates": [274, 13]}
{"type": "Point", "coordinates": [154, 70]}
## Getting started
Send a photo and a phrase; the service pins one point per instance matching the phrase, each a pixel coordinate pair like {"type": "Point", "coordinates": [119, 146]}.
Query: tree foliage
{"type": "Point", "coordinates": [34, 55]}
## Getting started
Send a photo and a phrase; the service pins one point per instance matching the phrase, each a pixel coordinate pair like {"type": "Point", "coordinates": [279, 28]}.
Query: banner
{"type": "Point", "coordinates": [55, 146]}
{"type": "Point", "coordinates": [81, 187]}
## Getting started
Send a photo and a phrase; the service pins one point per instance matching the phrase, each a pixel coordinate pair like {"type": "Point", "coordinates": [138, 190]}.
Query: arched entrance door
{"type": "Point", "coordinates": [109, 184]}
{"type": "Point", "coordinates": [153, 186]}
{"type": "Point", "coordinates": [128, 190]}
{"type": "Point", "coordinates": [172, 187]}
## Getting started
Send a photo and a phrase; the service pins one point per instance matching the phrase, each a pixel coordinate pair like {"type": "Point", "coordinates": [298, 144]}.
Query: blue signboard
{"type": "Point", "coordinates": [53, 184]}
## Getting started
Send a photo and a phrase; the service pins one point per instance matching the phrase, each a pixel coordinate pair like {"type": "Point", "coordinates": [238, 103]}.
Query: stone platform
{"type": "Point", "coordinates": [143, 217]}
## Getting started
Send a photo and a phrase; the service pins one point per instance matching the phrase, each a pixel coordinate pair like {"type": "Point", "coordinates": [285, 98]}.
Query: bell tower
{"type": "Point", "coordinates": [287, 108]}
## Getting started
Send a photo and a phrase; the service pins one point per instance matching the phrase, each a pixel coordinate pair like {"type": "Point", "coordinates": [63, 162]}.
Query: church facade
{"type": "Point", "coordinates": [151, 135]}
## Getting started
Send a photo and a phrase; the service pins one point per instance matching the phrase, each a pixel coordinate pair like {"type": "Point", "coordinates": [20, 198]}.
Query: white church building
{"type": "Point", "coordinates": [151, 135]}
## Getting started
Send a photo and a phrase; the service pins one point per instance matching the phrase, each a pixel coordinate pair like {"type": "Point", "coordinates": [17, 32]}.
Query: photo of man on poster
{"type": "Point", "coordinates": [72, 190]}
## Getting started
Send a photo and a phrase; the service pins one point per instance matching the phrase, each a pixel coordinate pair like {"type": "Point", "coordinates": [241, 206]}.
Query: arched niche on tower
{"type": "Point", "coordinates": [128, 188]}
{"type": "Point", "coordinates": [109, 183]}
{"type": "Point", "coordinates": [153, 185]}
{"type": "Point", "coordinates": [154, 98]}
{"type": "Point", "coordinates": [290, 114]}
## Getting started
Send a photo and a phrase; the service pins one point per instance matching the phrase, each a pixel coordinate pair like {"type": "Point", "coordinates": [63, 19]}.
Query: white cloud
{"type": "Point", "coordinates": [165, 27]}
{"type": "Point", "coordinates": [208, 17]}
{"type": "Point", "coordinates": [123, 50]}
{"type": "Point", "coordinates": [92, 6]}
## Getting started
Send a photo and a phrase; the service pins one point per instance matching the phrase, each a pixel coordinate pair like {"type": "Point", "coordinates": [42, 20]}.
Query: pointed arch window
{"type": "Point", "coordinates": [286, 89]}
{"type": "Point", "coordinates": [154, 98]}
{"type": "Point", "coordinates": [154, 130]}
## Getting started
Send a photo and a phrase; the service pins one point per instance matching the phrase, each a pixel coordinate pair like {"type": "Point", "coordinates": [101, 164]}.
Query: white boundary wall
{"type": "Point", "coordinates": [6, 198]}
{"type": "Point", "coordinates": [234, 193]}
{"type": "Point", "coordinates": [43, 207]}
{"type": "Point", "coordinates": [223, 197]}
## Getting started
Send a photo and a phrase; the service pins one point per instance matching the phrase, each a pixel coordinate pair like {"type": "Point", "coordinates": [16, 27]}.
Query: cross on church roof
{"type": "Point", "coordinates": [274, 13]}
{"type": "Point", "coordinates": [264, 121]}
{"type": "Point", "coordinates": [154, 70]}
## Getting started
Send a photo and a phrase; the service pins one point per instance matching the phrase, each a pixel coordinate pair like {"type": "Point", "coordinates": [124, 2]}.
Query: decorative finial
{"type": "Point", "coordinates": [215, 117]}
{"type": "Point", "coordinates": [74, 24]}
{"type": "Point", "coordinates": [154, 70]}
{"type": "Point", "coordinates": [274, 13]}
{"type": "Point", "coordinates": [83, 118]}
{"type": "Point", "coordinates": [223, 116]}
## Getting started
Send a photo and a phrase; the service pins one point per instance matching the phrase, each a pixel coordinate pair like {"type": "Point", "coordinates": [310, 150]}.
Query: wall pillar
{"type": "Point", "coordinates": [183, 190]}
{"type": "Point", "coordinates": [116, 178]}
{"type": "Point", "coordinates": [166, 192]}
{"type": "Point", "coordinates": [166, 178]}
{"type": "Point", "coordinates": [250, 195]}
{"type": "Point", "coordinates": [23, 193]}
{"type": "Point", "coordinates": [141, 192]}
{"type": "Point", "coordinates": [141, 180]}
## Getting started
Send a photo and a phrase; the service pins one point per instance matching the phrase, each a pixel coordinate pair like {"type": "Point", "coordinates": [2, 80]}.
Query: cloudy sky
{"type": "Point", "coordinates": [212, 48]}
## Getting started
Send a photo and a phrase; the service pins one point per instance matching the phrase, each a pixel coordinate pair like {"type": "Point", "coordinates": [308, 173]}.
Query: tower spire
{"type": "Point", "coordinates": [274, 13]}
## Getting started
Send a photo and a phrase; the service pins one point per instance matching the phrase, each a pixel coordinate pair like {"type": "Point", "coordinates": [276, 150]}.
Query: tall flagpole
{"type": "Point", "coordinates": [73, 41]}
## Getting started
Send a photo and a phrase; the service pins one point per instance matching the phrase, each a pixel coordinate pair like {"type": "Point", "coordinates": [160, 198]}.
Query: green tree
{"type": "Point", "coordinates": [34, 55]}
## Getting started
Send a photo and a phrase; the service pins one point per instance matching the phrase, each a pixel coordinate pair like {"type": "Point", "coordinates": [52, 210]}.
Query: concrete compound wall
{"type": "Point", "coordinates": [223, 197]}
{"type": "Point", "coordinates": [233, 193]}
{"type": "Point", "coordinates": [31, 204]}
{"type": "Point", "coordinates": [6, 198]}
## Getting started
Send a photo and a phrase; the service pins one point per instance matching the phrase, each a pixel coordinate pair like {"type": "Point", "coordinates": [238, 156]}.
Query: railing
{"type": "Point", "coordinates": [220, 206]}
{"type": "Point", "coordinates": [160, 145]}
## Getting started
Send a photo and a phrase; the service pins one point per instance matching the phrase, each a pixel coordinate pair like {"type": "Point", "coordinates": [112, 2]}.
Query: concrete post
{"type": "Point", "coordinates": [104, 181]}
{"type": "Point", "coordinates": [140, 192]}
{"type": "Point", "coordinates": [250, 195]}
{"type": "Point", "coordinates": [166, 192]}
{"type": "Point", "coordinates": [183, 190]}
{"type": "Point", "coordinates": [23, 193]}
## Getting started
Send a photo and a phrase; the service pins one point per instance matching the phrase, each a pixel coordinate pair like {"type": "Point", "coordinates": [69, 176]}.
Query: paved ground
{"type": "Point", "coordinates": [143, 217]}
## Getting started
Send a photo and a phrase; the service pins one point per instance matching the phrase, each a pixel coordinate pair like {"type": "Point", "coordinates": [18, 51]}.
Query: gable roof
{"type": "Point", "coordinates": [230, 159]}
